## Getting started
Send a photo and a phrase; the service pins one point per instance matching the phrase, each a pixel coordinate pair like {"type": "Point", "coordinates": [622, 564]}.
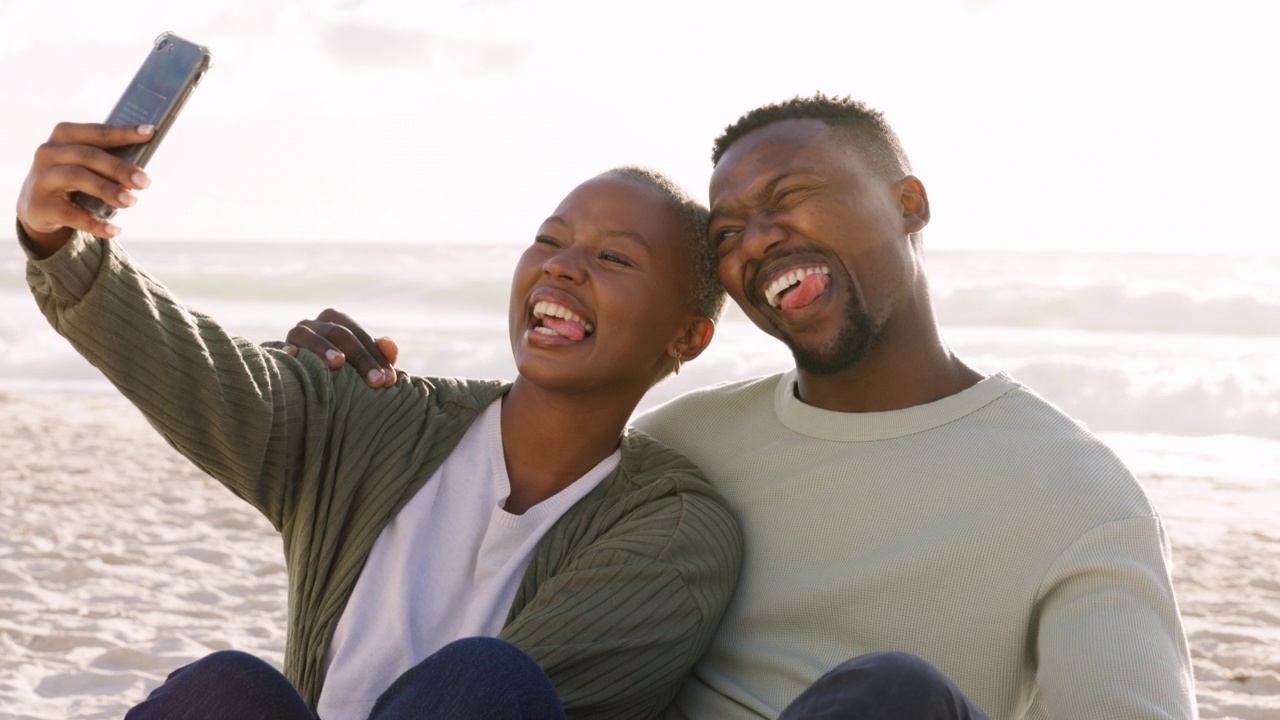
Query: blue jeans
{"type": "Point", "coordinates": [883, 686]}
{"type": "Point", "coordinates": [484, 678]}
{"type": "Point", "coordinates": [476, 678]}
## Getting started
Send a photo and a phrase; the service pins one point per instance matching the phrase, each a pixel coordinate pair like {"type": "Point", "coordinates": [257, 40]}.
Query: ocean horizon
{"type": "Point", "coordinates": [1136, 343]}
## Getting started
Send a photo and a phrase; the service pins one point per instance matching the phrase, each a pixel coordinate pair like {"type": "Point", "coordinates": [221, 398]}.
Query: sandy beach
{"type": "Point", "coordinates": [121, 561]}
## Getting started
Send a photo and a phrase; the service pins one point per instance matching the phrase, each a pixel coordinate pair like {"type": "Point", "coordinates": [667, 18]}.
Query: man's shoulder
{"type": "Point", "coordinates": [1031, 422]}
{"type": "Point", "coordinates": [1038, 441]}
{"type": "Point", "coordinates": [727, 402]}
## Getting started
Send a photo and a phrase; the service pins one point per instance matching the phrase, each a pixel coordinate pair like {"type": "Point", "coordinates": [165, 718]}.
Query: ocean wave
{"type": "Point", "coordinates": [1107, 394]}
{"type": "Point", "coordinates": [1116, 399]}
{"type": "Point", "coordinates": [1114, 308]}
{"type": "Point", "coordinates": [1177, 346]}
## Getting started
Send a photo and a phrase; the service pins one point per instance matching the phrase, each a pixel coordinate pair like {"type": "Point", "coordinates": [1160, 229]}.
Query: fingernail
{"type": "Point", "coordinates": [290, 349]}
{"type": "Point", "coordinates": [110, 231]}
{"type": "Point", "coordinates": [146, 129]}
{"type": "Point", "coordinates": [332, 354]}
{"type": "Point", "coordinates": [390, 375]}
{"type": "Point", "coordinates": [141, 180]}
{"type": "Point", "coordinates": [126, 198]}
{"type": "Point", "coordinates": [375, 377]}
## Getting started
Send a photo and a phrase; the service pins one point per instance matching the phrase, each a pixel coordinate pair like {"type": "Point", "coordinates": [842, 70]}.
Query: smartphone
{"type": "Point", "coordinates": [171, 71]}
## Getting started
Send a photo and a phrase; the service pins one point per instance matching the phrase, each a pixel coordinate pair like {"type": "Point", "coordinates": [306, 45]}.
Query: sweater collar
{"type": "Point", "coordinates": [854, 427]}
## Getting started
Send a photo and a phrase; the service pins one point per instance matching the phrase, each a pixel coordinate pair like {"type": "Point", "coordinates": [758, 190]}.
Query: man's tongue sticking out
{"type": "Point", "coordinates": [806, 292]}
{"type": "Point", "coordinates": [565, 328]}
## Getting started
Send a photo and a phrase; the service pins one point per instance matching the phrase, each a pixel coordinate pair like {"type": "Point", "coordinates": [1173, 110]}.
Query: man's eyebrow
{"type": "Point", "coordinates": [773, 184]}
{"type": "Point", "coordinates": [764, 192]}
{"type": "Point", "coordinates": [769, 187]}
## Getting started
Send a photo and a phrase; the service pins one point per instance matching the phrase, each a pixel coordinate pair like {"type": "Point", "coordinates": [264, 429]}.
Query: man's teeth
{"type": "Point", "coordinates": [543, 308]}
{"type": "Point", "coordinates": [786, 282]}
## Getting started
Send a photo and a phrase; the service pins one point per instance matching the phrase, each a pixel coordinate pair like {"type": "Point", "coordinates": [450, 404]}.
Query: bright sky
{"type": "Point", "coordinates": [1042, 124]}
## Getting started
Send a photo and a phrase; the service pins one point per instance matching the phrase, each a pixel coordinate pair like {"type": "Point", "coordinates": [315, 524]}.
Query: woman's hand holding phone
{"type": "Point", "coordinates": [87, 171]}
{"type": "Point", "coordinates": [77, 159]}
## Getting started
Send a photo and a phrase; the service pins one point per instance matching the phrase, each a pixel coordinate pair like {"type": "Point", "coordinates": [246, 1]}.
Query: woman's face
{"type": "Point", "coordinates": [604, 292]}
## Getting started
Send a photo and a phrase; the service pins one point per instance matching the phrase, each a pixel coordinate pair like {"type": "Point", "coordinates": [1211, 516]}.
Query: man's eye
{"type": "Point", "coordinates": [722, 235]}
{"type": "Point", "coordinates": [546, 240]}
{"type": "Point", "coordinates": [785, 195]}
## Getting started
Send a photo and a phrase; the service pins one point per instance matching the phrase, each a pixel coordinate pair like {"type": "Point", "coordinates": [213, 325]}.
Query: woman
{"type": "Point", "coordinates": [417, 517]}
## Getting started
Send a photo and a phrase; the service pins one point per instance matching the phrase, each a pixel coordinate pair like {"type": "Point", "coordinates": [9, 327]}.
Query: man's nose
{"type": "Point", "coordinates": [761, 234]}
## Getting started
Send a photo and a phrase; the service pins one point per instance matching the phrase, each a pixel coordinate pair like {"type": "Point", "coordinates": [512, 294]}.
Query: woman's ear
{"type": "Point", "coordinates": [693, 340]}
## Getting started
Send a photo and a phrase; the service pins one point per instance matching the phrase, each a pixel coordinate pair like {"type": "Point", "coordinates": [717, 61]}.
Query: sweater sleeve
{"type": "Point", "coordinates": [236, 410]}
{"type": "Point", "coordinates": [1110, 642]}
{"type": "Point", "coordinates": [620, 627]}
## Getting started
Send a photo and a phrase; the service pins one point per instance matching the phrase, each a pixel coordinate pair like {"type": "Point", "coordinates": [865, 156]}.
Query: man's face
{"type": "Point", "coordinates": [813, 244]}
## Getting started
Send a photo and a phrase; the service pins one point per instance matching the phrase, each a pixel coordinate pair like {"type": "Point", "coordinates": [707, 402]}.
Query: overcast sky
{"type": "Point", "coordinates": [1081, 125]}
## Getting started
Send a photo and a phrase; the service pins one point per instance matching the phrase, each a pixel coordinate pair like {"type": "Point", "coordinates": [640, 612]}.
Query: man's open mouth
{"type": "Point", "coordinates": [797, 288]}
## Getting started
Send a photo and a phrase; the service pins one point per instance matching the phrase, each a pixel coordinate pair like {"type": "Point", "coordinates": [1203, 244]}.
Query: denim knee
{"type": "Point", "coordinates": [477, 677]}
{"type": "Point", "coordinates": [892, 670]}
{"type": "Point", "coordinates": [489, 649]}
{"type": "Point", "coordinates": [883, 685]}
{"type": "Point", "coordinates": [225, 662]}
{"type": "Point", "coordinates": [224, 685]}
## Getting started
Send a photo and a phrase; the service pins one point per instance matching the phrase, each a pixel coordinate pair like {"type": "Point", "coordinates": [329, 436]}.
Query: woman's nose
{"type": "Point", "coordinates": [565, 264]}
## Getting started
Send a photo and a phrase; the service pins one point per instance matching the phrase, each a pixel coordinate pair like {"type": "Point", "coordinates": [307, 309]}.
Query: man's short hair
{"type": "Point", "coordinates": [863, 126]}
{"type": "Point", "coordinates": [709, 294]}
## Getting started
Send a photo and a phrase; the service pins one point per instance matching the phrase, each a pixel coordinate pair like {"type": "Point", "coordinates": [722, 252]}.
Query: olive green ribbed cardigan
{"type": "Point", "coordinates": [621, 596]}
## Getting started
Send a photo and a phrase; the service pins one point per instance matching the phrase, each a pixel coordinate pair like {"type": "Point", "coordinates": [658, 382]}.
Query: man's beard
{"type": "Point", "coordinates": [856, 338]}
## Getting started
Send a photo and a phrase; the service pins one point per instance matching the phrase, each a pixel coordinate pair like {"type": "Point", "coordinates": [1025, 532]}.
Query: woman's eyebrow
{"type": "Point", "coordinates": [632, 236]}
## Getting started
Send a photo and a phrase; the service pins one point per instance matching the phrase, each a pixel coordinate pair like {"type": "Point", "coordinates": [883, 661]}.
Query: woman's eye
{"type": "Point", "coordinates": [546, 240]}
{"type": "Point", "coordinates": [613, 257]}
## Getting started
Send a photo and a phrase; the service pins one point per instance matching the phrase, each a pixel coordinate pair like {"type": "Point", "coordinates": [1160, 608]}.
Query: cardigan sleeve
{"type": "Point", "coordinates": [620, 626]}
{"type": "Point", "coordinates": [242, 413]}
{"type": "Point", "coordinates": [1109, 641]}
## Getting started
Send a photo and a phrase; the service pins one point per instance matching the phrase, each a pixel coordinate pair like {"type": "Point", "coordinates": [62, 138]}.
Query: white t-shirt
{"type": "Point", "coordinates": [446, 567]}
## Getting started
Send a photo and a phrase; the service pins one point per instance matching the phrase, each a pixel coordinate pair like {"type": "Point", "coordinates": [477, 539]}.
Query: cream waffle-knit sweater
{"type": "Point", "coordinates": [987, 532]}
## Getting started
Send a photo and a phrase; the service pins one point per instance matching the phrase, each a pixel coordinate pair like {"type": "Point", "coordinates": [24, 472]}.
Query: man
{"type": "Point", "coordinates": [892, 498]}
